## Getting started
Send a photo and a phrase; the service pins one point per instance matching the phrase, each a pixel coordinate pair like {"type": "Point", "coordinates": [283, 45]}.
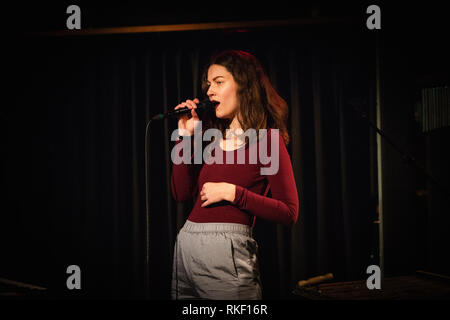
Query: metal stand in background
{"type": "Point", "coordinates": [406, 157]}
{"type": "Point", "coordinates": [379, 162]}
{"type": "Point", "coordinates": [147, 219]}
{"type": "Point", "coordinates": [160, 116]}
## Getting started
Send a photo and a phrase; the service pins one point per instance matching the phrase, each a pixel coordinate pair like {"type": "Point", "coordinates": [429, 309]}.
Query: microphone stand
{"type": "Point", "coordinates": [147, 219]}
{"type": "Point", "coordinates": [202, 105]}
{"type": "Point", "coordinates": [406, 157]}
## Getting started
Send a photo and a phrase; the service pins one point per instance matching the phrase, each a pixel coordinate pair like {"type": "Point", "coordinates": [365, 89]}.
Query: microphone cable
{"type": "Point", "coordinates": [147, 226]}
{"type": "Point", "coordinates": [147, 218]}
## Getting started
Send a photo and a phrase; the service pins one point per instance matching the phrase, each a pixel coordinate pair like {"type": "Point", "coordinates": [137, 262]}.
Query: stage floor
{"type": "Point", "coordinates": [420, 287]}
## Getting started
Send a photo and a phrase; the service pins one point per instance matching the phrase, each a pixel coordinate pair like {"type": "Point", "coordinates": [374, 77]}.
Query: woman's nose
{"type": "Point", "coordinates": [210, 93]}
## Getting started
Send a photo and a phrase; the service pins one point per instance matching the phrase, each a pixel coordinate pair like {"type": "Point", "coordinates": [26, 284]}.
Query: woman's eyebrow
{"type": "Point", "coordinates": [217, 77]}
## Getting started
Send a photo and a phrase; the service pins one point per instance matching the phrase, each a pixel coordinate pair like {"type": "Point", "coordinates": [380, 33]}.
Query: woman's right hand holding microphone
{"type": "Point", "coordinates": [186, 124]}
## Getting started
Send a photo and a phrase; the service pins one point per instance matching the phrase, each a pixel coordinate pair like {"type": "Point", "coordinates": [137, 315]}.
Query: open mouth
{"type": "Point", "coordinates": [216, 104]}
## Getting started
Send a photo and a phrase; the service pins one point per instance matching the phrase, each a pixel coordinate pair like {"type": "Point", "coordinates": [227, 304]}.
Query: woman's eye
{"type": "Point", "coordinates": [219, 82]}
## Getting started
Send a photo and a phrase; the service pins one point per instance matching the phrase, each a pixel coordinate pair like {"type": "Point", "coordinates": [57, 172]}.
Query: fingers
{"type": "Point", "coordinates": [204, 204]}
{"type": "Point", "coordinates": [191, 104]}
{"type": "Point", "coordinates": [177, 107]}
{"type": "Point", "coordinates": [203, 197]}
{"type": "Point", "coordinates": [206, 201]}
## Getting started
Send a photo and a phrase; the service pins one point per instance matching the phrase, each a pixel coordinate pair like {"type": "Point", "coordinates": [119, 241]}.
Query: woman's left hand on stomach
{"type": "Point", "coordinates": [213, 192]}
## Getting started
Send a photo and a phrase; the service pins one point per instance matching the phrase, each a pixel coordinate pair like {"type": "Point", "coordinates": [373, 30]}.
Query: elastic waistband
{"type": "Point", "coordinates": [190, 226]}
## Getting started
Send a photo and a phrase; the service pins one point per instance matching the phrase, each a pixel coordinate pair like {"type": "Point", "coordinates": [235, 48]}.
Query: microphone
{"type": "Point", "coordinates": [204, 104]}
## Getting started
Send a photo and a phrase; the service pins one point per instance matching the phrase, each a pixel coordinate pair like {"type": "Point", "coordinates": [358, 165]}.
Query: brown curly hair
{"type": "Point", "coordinates": [260, 106]}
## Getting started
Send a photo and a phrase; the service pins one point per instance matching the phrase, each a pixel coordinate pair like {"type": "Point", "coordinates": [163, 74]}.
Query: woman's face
{"type": "Point", "coordinates": [223, 89]}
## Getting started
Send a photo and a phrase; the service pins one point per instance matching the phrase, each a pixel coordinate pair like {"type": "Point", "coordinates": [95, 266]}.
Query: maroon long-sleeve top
{"type": "Point", "coordinates": [252, 186]}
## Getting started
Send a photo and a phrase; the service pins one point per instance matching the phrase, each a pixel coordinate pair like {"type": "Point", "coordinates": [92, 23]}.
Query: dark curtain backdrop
{"type": "Point", "coordinates": [74, 163]}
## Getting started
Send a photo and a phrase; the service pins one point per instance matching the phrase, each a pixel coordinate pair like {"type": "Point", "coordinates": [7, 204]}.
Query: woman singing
{"type": "Point", "coordinates": [215, 253]}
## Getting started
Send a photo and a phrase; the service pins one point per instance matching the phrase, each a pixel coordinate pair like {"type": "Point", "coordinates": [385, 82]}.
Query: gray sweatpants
{"type": "Point", "coordinates": [216, 261]}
